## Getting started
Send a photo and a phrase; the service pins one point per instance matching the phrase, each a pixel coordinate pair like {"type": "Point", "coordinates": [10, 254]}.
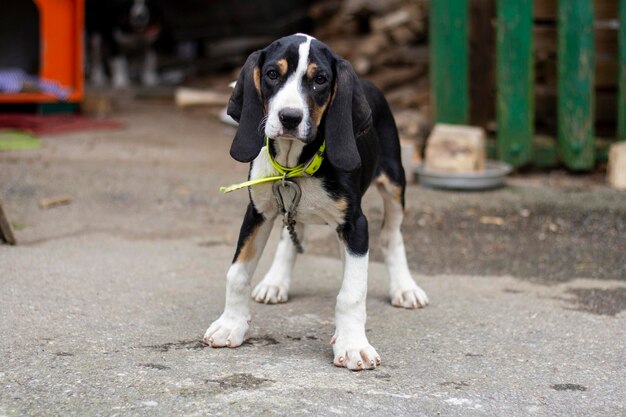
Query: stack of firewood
{"type": "Point", "coordinates": [386, 42]}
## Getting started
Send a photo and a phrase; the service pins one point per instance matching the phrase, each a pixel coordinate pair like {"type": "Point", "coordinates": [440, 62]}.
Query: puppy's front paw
{"type": "Point", "coordinates": [355, 356]}
{"type": "Point", "coordinates": [227, 331]}
{"type": "Point", "coordinates": [411, 298]}
{"type": "Point", "coordinates": [269, 294]}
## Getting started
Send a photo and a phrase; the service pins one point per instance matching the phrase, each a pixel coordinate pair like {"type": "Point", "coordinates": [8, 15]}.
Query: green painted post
{"type": "Point", "coordinates": [621, 104]}
{"type": "Point", "coordinates": [576, 83]}
{"type": "Point", "coordinates": [514, 80]}
{"type": "Point", "coordinates": [449, 74]}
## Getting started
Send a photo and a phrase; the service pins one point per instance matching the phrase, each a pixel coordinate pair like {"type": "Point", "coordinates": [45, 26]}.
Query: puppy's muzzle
{"type": "Point", "coordinates": [290, 118]}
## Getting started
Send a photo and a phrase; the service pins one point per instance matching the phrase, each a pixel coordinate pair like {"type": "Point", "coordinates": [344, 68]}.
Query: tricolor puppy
{"type": "Point", "coordinates": [292, 98]}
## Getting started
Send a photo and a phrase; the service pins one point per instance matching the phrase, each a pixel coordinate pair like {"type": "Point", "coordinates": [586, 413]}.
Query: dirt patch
{"type": "Point", "coordinates": [605, 302]}
{"type": "Point", "coordinates": [455, 384]}
{"type": "Point", "coordinates": [541, 243]}
{"type": "Point", "coordinates": [182, 344]}
{"type": "Point", "coordinates": [156, 366]}
{"type": "Point", "coordinates": [568, 387]}
{"type": "Point", "coordinates": [261, 341]}
{"type": "Point", "coordinates": [240, 382]}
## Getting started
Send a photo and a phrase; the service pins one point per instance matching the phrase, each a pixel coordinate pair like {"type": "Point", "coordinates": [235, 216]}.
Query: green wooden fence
{"type": "Point", "coordinates": [449, 34]}
{"type": "Point", "coordinates": [449, 71]}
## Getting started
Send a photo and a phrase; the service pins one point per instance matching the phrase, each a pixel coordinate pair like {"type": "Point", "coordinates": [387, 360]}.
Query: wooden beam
{"type": "Point", "coordinates": [449, 60]}
{"type": "Point", "coordinates": [576, 83]}
{"type": "Point", "coordinates": [515, 81]}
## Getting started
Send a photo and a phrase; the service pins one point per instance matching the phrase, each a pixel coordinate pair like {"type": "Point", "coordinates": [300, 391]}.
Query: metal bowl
{"type": "Point", "coordinates": [492, 177]}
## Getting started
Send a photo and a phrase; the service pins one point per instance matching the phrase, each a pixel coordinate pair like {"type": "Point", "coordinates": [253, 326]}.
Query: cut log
{"type": "Point", "coordinates": [6, 229]}
{"type": "Point", "coordinates": [412, 123]}
{"type": "Point", "coordinates": [391, 20]}
{"type": "Point", "coordinates": [394, 77]}
{"type": "Point", "coordinates": [353, 7]}
{"type": "Point", "coordinates": [403, 35]}
{"type": "Point", "coordinates": [455, 148]}
{"type": "Point", "coordinates": [386, 43]}
{"type": "Point", "coordinates": [616, 171]}
{"type": "Point", "coordinates": [372, 44]}
{"type": "Point", "coordinates": [403, 97]}
{"type": "Point", "coordinates": [194, 97]}
{"type": "Point", "coordinates": [56, 201]}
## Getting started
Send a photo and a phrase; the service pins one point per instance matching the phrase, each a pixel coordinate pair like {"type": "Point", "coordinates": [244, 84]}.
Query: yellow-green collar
{"type": "Point", "coordinates": [302, 170]}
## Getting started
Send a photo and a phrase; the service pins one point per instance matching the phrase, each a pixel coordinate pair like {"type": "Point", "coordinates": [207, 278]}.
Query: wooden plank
{"type": "Point", "coordinates": [449, 61]}
{"type": "Point", "coordinates": [546, 10]}
{"type": "Point", "coordinates": [576, 84]}
{"type": "Point", "coordinates": [514, 75]}
{"type": "Point", "coordinates": [482, 65]}
{"type": "Point", "coordinates": [545, 39]}
{"type": "Point", "coordinates": [621, 82]}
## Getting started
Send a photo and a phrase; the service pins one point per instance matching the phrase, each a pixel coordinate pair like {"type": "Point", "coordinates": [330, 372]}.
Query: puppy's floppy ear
{"type": "Point", "coordinates": [348, 116]}
{"type": "Point", "coordinates": [246, 107]}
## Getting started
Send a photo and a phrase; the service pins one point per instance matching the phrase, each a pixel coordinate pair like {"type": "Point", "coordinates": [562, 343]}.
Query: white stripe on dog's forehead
{"type": "Point", "coordinates": [303, 56]}
{"type": "Point", "coordinates": [309, 37]}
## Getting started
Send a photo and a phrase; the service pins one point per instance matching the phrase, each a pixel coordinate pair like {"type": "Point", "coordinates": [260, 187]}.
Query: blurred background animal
{"type": "Point", "coordinates": [120, 36]}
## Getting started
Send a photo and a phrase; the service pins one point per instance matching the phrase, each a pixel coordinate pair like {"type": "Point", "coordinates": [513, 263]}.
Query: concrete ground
{"type": "Point", "coordinates": [105, 300]}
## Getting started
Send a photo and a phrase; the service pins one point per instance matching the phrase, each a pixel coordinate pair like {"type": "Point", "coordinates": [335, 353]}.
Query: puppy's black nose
{"type": "Point", "coordinates": [290, 118]}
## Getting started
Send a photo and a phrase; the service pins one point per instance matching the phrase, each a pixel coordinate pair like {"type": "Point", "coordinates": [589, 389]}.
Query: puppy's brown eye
{"type": "Point", "coordinates": [320, 79]}
{"type": "Point", "coordinates": [272, 74]}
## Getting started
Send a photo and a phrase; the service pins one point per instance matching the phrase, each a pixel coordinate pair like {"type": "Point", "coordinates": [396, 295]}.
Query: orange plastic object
{"type": "Point", "coordinates": [61, 25]}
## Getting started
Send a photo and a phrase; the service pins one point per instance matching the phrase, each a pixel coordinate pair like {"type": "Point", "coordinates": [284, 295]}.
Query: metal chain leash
{"type": "Point", "coordinates": [289, 222]}
{"type": "Point", "coordinates": [289, 214]}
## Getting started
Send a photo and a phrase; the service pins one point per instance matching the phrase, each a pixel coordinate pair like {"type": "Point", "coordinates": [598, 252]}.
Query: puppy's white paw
{"type": "Point", "coordinates": [270, 293]}
{"type": "Point", "coordinates": [227, 331]}
{"type": "Point", "coordinates": [411, 298]}
{"type": "Point", "coordinates": [356, 356]}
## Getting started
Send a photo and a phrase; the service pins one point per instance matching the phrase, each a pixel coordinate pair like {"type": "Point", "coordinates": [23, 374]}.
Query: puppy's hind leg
{"type": "Point", "coordinates": [232, 327]}
{"type": "Point", "coordinates": [403, 290]}
{"type": "Point", "coordinates": [274, 287]}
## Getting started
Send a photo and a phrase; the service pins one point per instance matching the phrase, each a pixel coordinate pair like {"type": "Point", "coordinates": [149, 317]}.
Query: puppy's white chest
{"type": "Point", "coordinates": [315, 205]}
